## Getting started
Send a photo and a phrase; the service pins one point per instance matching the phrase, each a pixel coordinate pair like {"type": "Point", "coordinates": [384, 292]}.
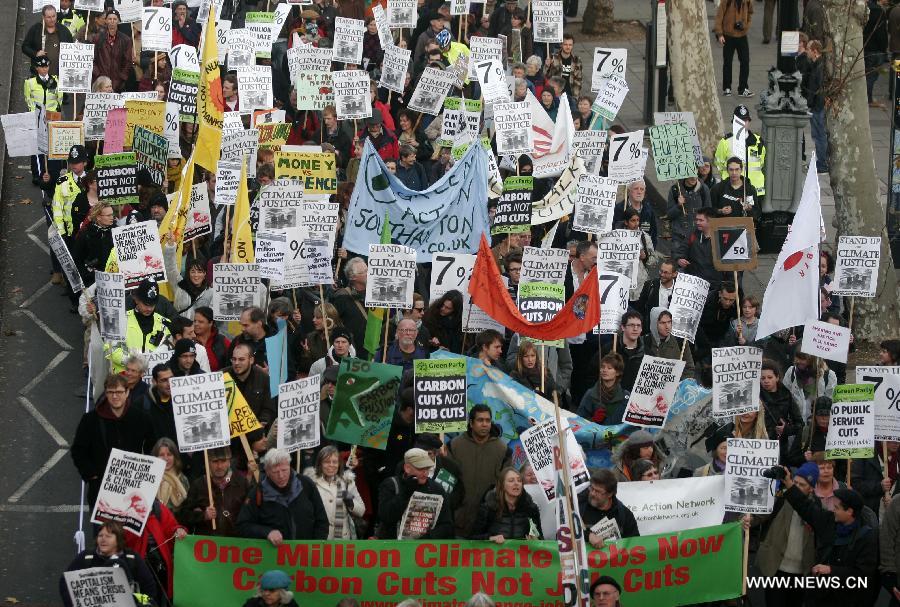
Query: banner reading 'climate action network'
{"type": "Point", "coordinates": [693, 566]}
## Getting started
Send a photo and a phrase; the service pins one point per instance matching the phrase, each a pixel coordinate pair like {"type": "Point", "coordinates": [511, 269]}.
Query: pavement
{"type": "Point", "coordinates": [40, 377]}
{"type": "Point", "coordinates": [762, 58]}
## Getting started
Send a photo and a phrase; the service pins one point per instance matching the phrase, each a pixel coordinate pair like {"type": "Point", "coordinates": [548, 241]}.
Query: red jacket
{"type": "Point", "coordinates": [161, 524]}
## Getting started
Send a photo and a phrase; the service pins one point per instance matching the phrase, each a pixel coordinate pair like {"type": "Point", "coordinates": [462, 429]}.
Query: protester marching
{"type": "Point", "coordinates": [382, 306]}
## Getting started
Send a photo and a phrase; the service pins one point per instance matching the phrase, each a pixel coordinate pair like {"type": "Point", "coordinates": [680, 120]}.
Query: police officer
{"type": "Point", "coordinates": [145, 329]}
{"type": "Point", "coordinates": [73, 20]}
{"type": "Point", "coordinates": [755, 158]}
{"type": "Point", "coordinates": [68, 187]}
{"type": "Point", "coordinates": [42, 89]}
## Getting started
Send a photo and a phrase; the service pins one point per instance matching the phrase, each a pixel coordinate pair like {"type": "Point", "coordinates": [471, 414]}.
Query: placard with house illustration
{"type": "Point", "coordinates": [391, 276]}
{"type": "Point", "coordinates": [201, 412]}
{"type": "Point", "coordinates": [736, 372]}
{"type": "Point", "coordinates": [856, 266]}
{"type": "Point", "coordinates": [746, 489]}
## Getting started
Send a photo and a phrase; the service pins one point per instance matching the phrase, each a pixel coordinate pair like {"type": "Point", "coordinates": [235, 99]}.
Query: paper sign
{"type": "Point", "coordinates": [156, 29]}
{"type": "Point", "coordinates": [676, 504]}
{"type": "Point", "coordinates": [625, 162]}
{"type": "Point", "coordinates": [851, 428]}
{"type": "Point", "coordinates": [391, 276]}
{"type": "Point", "coordinates": [107, 586]}
{"type": "Point", "coordinates": [21, 133]}
{"type": "Point", "coordinates": [128, 489]}
{"type": "Point", "coordinates": [610, 98]}
{"type": "Point", "coordinates": [595, 204]}
{"type": "Point", "coordinates": [746, 489]}
{"type": "Point", "coordinates": [76, 64]}
{"type": "Point", "coordinates": [298, 414]}
{"type": "Point", "coordinates": [63, 135]}
{"type": "Point", "coordinates": [614, 289]}
{"type": "Point", "coordinates": [736, 371]}
{"type": "Point", "coordinates": [688, 300]}
{"type": "Point", "coordinates": [139, 253]}
{"type": "Point", "coordinates": [673, 151]}
{"type": "Point", "coordinates": [653, 392]}
{"type": "Point", "coordinates": [236, 286]}
{"type": "Point", "coordinates": [201, 412]}
{"type": "Point", "coordinates": [513, 124]}
{"type": "Point", "coordinates": [439, 388]}
{"type": "Point", "coordinates": [619, 251]}
{"type": "Point", "coordinates": [109, 296]}
{"type": "Point", "coordinates": [887, 399]}
{"type": "Point", "coordinates": [608, 62]}
{"type": "Point", "coordinates": [856, 266]}
{"type": "Point", "coordinates": [541, 445]}
{"type": "Point", "coordinates": [826, 340]}
{"type": "Point", "coordinates": [351, 94]}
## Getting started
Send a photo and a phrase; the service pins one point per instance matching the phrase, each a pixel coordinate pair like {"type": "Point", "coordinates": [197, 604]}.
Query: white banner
{"type": "Point", "coordinates": [201, 412]}
{"type": "Point", "coordinates": [128, 489]}
{"type": "Point", "coordinates": [298, 414]}
{"type": "Point", "coordinates": [21, 133]}
{"type": "Point", "coordinates": [676, 504]}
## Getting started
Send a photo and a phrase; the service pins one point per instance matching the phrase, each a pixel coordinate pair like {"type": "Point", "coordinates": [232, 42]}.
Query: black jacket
{"type": "Point", "coordinates": [161, 415]}
{"type": "Point", "coordinates": [856, 555]}
{"type": "Point", "coordinates": [649, 299]}
{"type": "Point", "coordinates": [393, 498]}
{"type": "Point", "coordinates": [866, 479]}
{"type": "Point", "coordinates": [697, 250]}
{"type": "Point", "coordinates": [135, 568]}
{"type": "Point", "coordinates": [298, 514]}
{"type": "Point", "coordinates": [255, 390]}
{"type": "Point", "coordinates": [91, 250]}
{"type": "Point", "coordinates": [513, 525]}
{"type": "Point", "coordinates": [619, 511]}
{"type": "Point", "coordinates": [32, 42]}
{"type": "Point", "coordinates": [780, 405]}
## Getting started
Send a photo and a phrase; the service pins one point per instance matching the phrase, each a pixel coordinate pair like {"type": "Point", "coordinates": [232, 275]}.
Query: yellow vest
{"type": "Point", "coordinates": [136, 341]}
{"type": "Point", "coordinates": [36, 94]}
{"type": "Point", "coordinates": [67, 190]}
{"type": "Point", "coordinates": [756, 160]}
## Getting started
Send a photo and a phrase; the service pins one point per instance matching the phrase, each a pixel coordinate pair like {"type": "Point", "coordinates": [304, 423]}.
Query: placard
{"type": "Point", "coordinates": [351, 94]}
{"type": "Point", "coordinates": [201, 412]}
{"type": "Point", "coordinates": [130, 10]}
{"type": "Point", "coordinates": [595, 204]}
{"type": "Point", "coordinates": [259, 24]}
{"type": "Point", "coordinates": [21, 133]}
{"type": "Point", "coordinates": [541, 445]}
{"type": "Point", "coordinates": [625, 163]}
{"type": "Point", "coordinates": [320, 219]}
{"type": "Point", "coordinates": [298, 414]}
{"type": "Point", "coordinates": [151, 151]}
{"type": "Point", "coordinates": [513, 214]}
{"type": "Point", "coordinates": [139, 253]}
{"type": "Point", "coordinates": [673, 151]}
{"type": "Point", "coordinates": [107, 586]}
{"type": "Point", "coordinates": [735, 371]}
{"type": "Point", "coordinates": [96, 108]}
{"type": "Point", "coordinates": [493, 83]}
{"type": "Point", "coordinates": [241, 48]}
{"type": "Point", "coordinates": [62, 136]}
{"type": "Point", "coordinates": [273, 135]}
{"type": "Point", "coordinates": [539, 302]}
{"type": "Point", "coordinates": [544, 265]}
{"type": "Point", "coordinates": [688, 119]}
{"type": "Point", "coordinates": [149, 114]}
{"type": "Point", "coordinates": [856, 266]}
{"type": "Point", "coordinates": [790, 43]}
{"type": "Point", "coordinates": [76, 64]}
{"type": "Point", "coordinates": [268, 253]}
{"type": "Point", "coordinates": [236, 286]}
{"type": "Point", "coordinates": [452, 272]}
{"type": "Point", "coordinates": [394, 67]}
{"type": "Point", "coordinates": [826, 340]}
{"type": "Point", "coordinates": [401, 13]}
{"type": "Point", "coordinates": [513, 124]}
{"type": "Point", "coordinates": [384, 29]}
{"type": "Point", "coordinates": [887, 399]}
{"type": "Point", "coordinates": [183, 91]}
{"type": "Point", "coordinates": [590, 145]}
{"type": "Point", "coordinates": [171, 132]}
{"type": "Point", "coordinates": [851, 428]}
{"type": "Point", "coordinates": [348, 40]}
{"type": "Point", "coordinates": [254, 88]}
{"type": "Point", "coordinates": [109, 296]}
{"type": "Point", "coordinates": [431, 90]}
{"type": "Point", "coordinates": [156, 29]}
{"type": "Point", "coordinates": [614, 290]}
{"type": "Point", "coordinates": [608, 62]}
{"type": "Point", "coordinates": [610, 98]}
{"type": "Point", "coordinates": [199, 219]}
{"type": "Point", "coordinates": [688, 300]}
{"type": "Point", "coordinates": [674, 504]}
{"type": "Point", "coordinates": [391, 276]}
{"type": "Point", "coordinates": [315, 170]}
{"type": "Point", "coordinates": [653, 392]}
{"type": "Point", "coordinates": [547, 20]}
{"type": "Point", "coordinates": [228, 177]}
{"type": "Point", "coordinates": [59, 248]}
{"type": "Point", "coordinates": [239, 144]}
{"type": "Point", "coordinates": [484, 49]}
{"type": "Point", "coordinates": [733, 242]}
{"type": "Point", "coordinates": [184, 57]}
{"type": "Point", "coordinates": [128, 490]}
{"type": "Point", "coordinates": [619, 251]}
{"type": "Point", "coordinates": [117, 178]}
{"type": "Point", "coordinates": [439, 388]}
{"type": "Point", "coordinates": [746, 489]}
{"type": "Point", "coordinates": [280, 204]}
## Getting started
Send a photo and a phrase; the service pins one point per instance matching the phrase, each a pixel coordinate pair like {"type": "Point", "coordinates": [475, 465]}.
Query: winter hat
{"type": "Point", "coordinates": [640, 438]}
{"type": "Point", "coordinates": [341, 333]}
{"type": "Point", "coordinates": [605, 579]}
{"type": "Point", "coordinates": [823, 406]}
{"type": "Point", "coordinates": [330, 374]}
{"type": "Point", "coordinates": [147, 291]}
{"type": "Point", "coordinates": [809, 472]}
{"type": "Point", "coordinates": [719, 436]}
{"type": "Point", "coordinates": [850, 499]}
{"type": "Point", "coordinates": [185, 346]}
{"type": "Point", "coordinates": [274, 580]}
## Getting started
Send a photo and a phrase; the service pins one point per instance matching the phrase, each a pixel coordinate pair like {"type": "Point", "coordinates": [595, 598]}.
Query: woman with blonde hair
{"type": "Point", "coordinates": [174, 486]}
{"type": "Point", "coordinates": [528, 371]}
{"type": "Point", "coordinates": [337, 486]}
{"type": "Point", "coordinates": [306, 350]}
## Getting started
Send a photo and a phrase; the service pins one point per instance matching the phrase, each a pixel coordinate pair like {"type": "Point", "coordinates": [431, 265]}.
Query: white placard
{"type": "Point", "coordinates": [109, 296]}
{"type": "Point", "coordinates": [391, 276]}
{"type": "Point", "coordinates": [320, 219]}
{"type": "Point", "coordinates": [348, 40]}
{"type": "Point", "coordinates": [494, 87]}
{"type": "Point", "coordinates": [384, 29]}
{"type": "Point", "coordinates": [298, 414]}
{"type": "Point", "coordinates": [241, 48]}
{"type": "Point", "coordinates": [235, 286]}
{"type": "Point", "coordinates": [513, 124]}
{"type": "Point", "coordinates": [352, 98]}
{"type": "Point", "coordinates": [735, 372]}
{"type": "Point", "coordinates": [825, 340]}
{"type": "Point", "coordinates": [131, 11]}
{"type": "Point", "coordinates": [544, 265]}
{"type": "Point", "coordinates": [156, 29]}
{"type": "Point", "coordinates": [547, 20]}
{"type": "Point", "coordinates": [614, 289]}
{"type": "Point", "coordinates": [660, 118]}
{"type": "Point", "coordinates": [21, 133]}
{"type": "Point", "coordinates": [269, 249]}
{"type": "Point", "coordinates": [739, 137]}
{"type": "Point", "coordinates": [856, 266]}
{"type": "Point", "coordinates": [107, 586]}
{"type": "Point", "coordinates": [199, 219]}
{"type": "Point", "coordinates": [675, 504]}
{"type": "Point", "coordinates": [619, 251]}
{"type": "Point", "coordinates": [608, 62]}
{"type": "Point", "coordinates": [431, 90]}
{"type": "Point", "coordinates": [139, 253]}
{"type": "Point", "coordinates": [625, 157]}
{"type": "Point", "coordinates": [393, 68]}
{"type": "Point", "coordinates": [228, 177]}
{"type": "Point", "coordinates": [96, 107]}
{"type": "Point", "coordinates": [184, 57]}
{"type": "Point", "coordinates": [746, 489]}
{"type": "Point", "coordinates": [128, 489]}
{"type": "Point", "coordinates": [595, 204]}
{"type": "Point", "coordinates": [171, 129]}
{"type": "Point", "coordinates": [851, 426]}
{"type": "Point", "coordinates": [254, 88]}
{"type": "Point", "coordinates": [484, 49]}
{"type": "Point", "coordinates": [76, 64]}
{"type": "Point", "coordinates": [887, 399]}
{"type": "Point", "coordinates": [790, 43]}
{"type": "Point", "coordinates": [653, 392]}
{"type": "Point", "coordinates": [688, 299]}
{"type": "Point", "coordinates": [401, 13]}
{"type": "Point", "coordinates": [159, 356]}
{"type": "Point", "coordinates": [201, 411]}
{"type": "Point", "coordinates": [590, 145]}
{"type": "Point", "coordinates": [610, 98]}
{"type": "Point", "coordinates": [540, 443]}
{"type": "Point", "coordinates": [280, 204]}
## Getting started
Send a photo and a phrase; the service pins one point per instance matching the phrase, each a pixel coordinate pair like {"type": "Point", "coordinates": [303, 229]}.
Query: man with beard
{"type": "Point", "coordinates": [600, 503]}
{"type": "Point", "coordinates": [404, 350]}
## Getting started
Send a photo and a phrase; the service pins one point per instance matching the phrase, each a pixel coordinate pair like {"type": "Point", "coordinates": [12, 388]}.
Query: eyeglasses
{"type": "Point", "coordinates": [116, 392]}
{"type": "Point", "coordinates": [406, 330]}
{"type": "Point", "coordinates": [632, 325]}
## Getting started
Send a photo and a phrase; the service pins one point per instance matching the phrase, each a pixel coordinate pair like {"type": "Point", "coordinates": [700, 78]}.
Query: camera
{"type": "Point", "coordinates": [775, 472]}
{"type": "Point", "coordinates": [739, 26]}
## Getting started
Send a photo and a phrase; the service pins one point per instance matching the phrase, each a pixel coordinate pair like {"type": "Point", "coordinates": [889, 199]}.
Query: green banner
{"type": "Point", "coordinates": [851, 431]}
{"type": "Point", "coordinates": [364, 402]}
{"type": "Point", "coordinates": [693, 566]}
{"type": "Point", "coordinates": [440, 393]}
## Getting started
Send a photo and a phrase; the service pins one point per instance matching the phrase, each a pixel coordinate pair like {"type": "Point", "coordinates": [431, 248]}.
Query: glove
{"type": "Point", "coordinates": [410, 483]}
{"type": "Point", "coordinates": [889, 581]}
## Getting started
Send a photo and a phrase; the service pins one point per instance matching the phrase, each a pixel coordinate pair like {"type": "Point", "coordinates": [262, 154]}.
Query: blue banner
{"type": "Point", "coordinates": [276, 354]}
{"type": "Point", "coordinates": [448, 217]}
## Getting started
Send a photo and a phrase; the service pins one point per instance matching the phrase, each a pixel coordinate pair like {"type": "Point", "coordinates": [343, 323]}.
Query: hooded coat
{"type": "Point", "coordinates": [622, 468]}
{"type": "Point", "coordinates": [669, 347]}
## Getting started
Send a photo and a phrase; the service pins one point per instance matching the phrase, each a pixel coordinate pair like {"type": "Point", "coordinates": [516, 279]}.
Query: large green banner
{"type": "Point", "coordinates": [364, 402]}
{"type": "Point", "coordinates": [693, 566]}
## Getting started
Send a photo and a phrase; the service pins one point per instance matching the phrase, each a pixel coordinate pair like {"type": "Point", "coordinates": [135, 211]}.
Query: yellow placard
{"type": "Point", "coordinates": [149, 114]}
{"type": "Point", "coordinates": [316, 170]}
{"type": "Point", "coordinates": [241, 418]}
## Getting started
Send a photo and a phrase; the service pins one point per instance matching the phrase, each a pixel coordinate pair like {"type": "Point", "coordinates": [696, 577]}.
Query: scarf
{"type": "Point", "coordinates": [843, 533]}
{"type": "Point", "coordinates": [171, 490]}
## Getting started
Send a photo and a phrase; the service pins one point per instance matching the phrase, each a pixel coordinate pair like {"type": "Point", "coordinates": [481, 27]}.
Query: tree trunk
{"type": "Point", "coordinates": [598, 17]}
{"type": "Point", "coordinates": [859, 208]}
{"type": "Point", "coordinates": [693, 74]}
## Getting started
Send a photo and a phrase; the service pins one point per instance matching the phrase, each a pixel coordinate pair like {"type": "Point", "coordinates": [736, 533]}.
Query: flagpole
{"type": "Point", "coordinates": [209, 486]}
{"type": "Point", "coordinates": [564, 465]}
{"type": "Point", "coordinates": [737, 304]}
{"type": "Point", "coordinates": [387, 323]}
